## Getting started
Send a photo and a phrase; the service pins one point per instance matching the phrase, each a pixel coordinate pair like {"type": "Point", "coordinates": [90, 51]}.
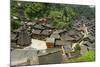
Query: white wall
{"type": "Point", "coordinates": [38, 44]}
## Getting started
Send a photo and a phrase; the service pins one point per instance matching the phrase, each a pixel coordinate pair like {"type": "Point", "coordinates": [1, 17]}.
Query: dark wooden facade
{"type": "Point", "coordinates": [50, 45]}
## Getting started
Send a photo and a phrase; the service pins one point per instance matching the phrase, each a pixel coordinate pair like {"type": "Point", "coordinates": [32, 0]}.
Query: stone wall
{"type": "Point", "coordinates": [52, 58]}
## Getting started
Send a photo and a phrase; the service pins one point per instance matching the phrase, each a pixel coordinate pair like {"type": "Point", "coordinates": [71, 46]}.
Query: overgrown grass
{"type": "Point", "coordinates": [87, 57]}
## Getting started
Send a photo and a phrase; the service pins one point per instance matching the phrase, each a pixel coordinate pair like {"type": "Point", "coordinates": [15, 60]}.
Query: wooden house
{"type": "Point", "coordinates": [46, 32]}
{"type": "Point", "coordinates": [55, 35]}
{"type": "Point", "coordinates": [23, 38]}
{"type": "Point", "coordinates": [36, 34]}
{"type": "Point", "coordinates": [48, 26]}
{"type": "Point", "coordinates": [38, 26]}
{"type": "Point", "coordinates": [59, 43]}
{"type": "Point", "coordinates": [41, 34]}
{"type": "Point", "coordinates": [50, 42]}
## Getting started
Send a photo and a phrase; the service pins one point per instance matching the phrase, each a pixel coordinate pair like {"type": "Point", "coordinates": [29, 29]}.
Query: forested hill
{"type": "Point", "coordinates": [62, 15]}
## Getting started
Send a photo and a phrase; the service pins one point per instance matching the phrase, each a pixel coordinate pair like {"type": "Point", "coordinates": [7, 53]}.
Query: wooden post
{"type": "Point", "coordinates": [63, 54]}
{"type": "Point", "coordinates": [63, 51]}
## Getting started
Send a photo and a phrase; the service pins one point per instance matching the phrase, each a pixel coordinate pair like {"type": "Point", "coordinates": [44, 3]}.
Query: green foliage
{"type": "Point", "coordinates": [70, 12]}
{"type": "Point", "coordinates": [84, 11]}
{"type": "Point", "coordinates": [60, 25]}
{"type": "Point", "coordinates": [33, 10]}
{"type": "Point", "coordinates": [14, 7]}
{"type": "Point", "coordinates": [55, 14]}
{"type": "Point", "coordinates": [87, 57]}
{"type": "Point", "coordinates": [63, 15]}
{"type": "Point", "coordinates": [15, 24]}
{"type": "Point", "coordinates": [77, 48]}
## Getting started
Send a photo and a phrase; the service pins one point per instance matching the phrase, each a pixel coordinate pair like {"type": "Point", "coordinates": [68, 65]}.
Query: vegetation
{"type": "Point", "coordinates": [15, 24]}
{"type": "Point", "coordinates": [63, 15]}
{"type": "Point", "coordinates": [77, 48]}
{"type": "Point", "coordinates": [88, 56]}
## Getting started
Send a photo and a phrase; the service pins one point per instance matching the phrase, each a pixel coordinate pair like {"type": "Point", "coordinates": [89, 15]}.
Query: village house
{"type": "Point", "coordinates": [55, 35]}
{"type": "Point", "coordinates": [46, 33]}
{"type": "Point", "coordinates": [38, 26]}
{"type": "Point", "coordinates": [46, 45]}
{"type": "Point", "coordinates": [59, 43]}
{"type": "Point", "coordinates": [41, 34]}
{"type": "Point", "coordinates": [48, 26]}
{"type": "Point", "coordinates": [36, 34]}
{"type": "Point", "coordinates": [23, 38]}
{"type": "Point", "coordinates": [50, 42]}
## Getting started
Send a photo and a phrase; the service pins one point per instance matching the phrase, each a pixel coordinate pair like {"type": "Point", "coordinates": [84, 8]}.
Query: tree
{"type": "Point", "coordinates": [63, 15]}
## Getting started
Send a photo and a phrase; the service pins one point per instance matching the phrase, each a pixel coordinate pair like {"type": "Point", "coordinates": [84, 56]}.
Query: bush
{"type": "Point", "coordinates": [15, 24]}
{"type": "Point", "coordinates": [77, 48]}
{"type": "Point", "coordinates": [87, 57]}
